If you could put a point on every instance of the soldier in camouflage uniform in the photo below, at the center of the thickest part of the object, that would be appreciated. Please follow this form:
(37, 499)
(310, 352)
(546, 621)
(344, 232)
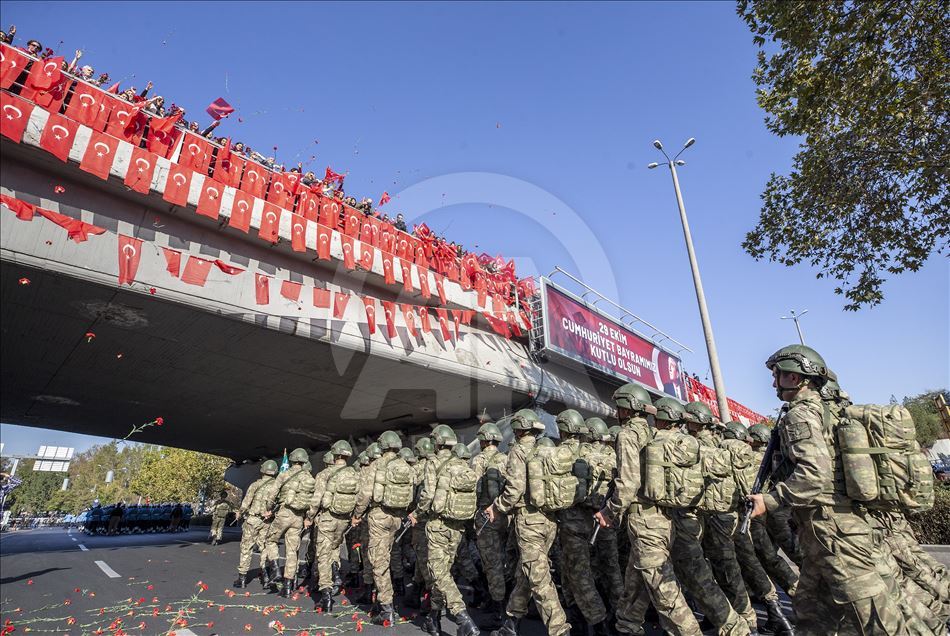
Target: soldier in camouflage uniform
(603, 462)
(252, 511)
(489, 466)
(220, 510)
(421, 583)
(574, 530)
(535, 532)
(292, 494)
(443, 536)
(368, 592)
(840, 589)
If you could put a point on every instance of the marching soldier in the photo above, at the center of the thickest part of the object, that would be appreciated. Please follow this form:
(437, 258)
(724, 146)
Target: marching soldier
(421, 583)
(220, 510)
(649, 575)
(535, 532)
(253, 530)
(489, 467)
(310, 528)
(603, 462)
(840, 588)
(292, 494)
(368, 592)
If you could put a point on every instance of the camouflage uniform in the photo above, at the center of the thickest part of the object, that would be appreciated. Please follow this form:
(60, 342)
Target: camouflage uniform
(649, 575)
(493, 537)
(328, 527)
(292, 484)
(418, 536)
(535, 532)
(254, 527)
(603, 458)
(219, 514)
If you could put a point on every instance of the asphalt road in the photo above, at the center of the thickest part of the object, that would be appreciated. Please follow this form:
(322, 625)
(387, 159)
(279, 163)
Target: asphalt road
(65, 582)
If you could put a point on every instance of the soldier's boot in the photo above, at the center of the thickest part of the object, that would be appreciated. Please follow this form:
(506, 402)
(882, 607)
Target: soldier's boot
(466, 626)
(495, 615)
(325, 603)
(273, 576)
(603, 628)
(241, 580)
(287, 587)
(411, 596)
(777, 623)
(386, 615)
(576, 619)
(432, 623)
(508, 628)
(214, 541)
(399, 587)
(337, 579)
(303, 572)
(366, 595)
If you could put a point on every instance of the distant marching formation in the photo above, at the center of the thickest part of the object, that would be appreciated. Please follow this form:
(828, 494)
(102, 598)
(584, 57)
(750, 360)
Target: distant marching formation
(706, 506)
(137, 519)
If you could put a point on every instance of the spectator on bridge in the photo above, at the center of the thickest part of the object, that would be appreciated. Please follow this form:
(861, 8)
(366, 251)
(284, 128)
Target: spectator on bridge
(72, 65)
(7, 37)
(33, 47)
(400, 223)
(102, 79)
(157, 106)
(128, 94)
(145, 90)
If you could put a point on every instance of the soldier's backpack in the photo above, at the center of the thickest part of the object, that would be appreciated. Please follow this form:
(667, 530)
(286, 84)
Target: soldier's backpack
(492, 482)
(455, 496)
(883, 465)
(395, 483)
(342, 488)
(673, 477)
(745, 466)
(557, 480)
(303, 484)
(603, 467)
(719, 484)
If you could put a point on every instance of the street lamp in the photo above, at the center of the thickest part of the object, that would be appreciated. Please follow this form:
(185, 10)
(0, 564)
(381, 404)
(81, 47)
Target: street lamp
(796, 317)
(697, 281)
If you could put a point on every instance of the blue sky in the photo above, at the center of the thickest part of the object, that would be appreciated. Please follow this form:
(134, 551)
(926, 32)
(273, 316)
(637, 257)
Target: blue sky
(517, 126)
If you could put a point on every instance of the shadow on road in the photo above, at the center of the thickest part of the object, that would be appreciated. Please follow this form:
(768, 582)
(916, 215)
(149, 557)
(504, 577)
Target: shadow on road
(29, 575)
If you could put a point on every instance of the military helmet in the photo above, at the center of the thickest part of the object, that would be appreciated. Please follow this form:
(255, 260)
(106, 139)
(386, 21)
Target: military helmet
(443, 435)
(736, 430)
(545, 442)
(570, 422)
(342, 447)
(373, 451)
(799, 359)
(700, 411)
(526, 420)
(669, 410)
(489, 432)
(598, 429)
(408, 455)
(633, 397)
(389, 440)
(328, 458)
(461, 451)
(760, 433)
(363, 458)
(299, 456)
(424, 447)
(307, 466)
(612, 432)
(269, 467)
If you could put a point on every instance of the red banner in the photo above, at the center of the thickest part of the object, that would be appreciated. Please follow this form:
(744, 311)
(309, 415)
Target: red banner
(696, 391)
(574, 330)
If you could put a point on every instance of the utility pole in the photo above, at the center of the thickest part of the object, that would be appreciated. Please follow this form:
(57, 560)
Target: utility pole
(796, 317)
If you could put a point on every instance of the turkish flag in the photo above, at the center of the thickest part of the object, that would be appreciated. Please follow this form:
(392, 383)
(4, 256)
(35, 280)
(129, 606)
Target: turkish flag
(351, 221)
(219, 108)
(196, 271)
(14, 115)
(308, 206)
(409, 315)
(387, 237)
(290, 290)
(127, 122)
(513, 321)
(229, 170)
(497, 304)
(293, 182)
(324, 235)
(349, 258)
(23, 210)
(195, 153)
(481, 289)
(172, 261)
(241, 211)
(163, 138)
(58, 136)
(439, 286)
(421, 259)
(209, 202)
(321, 298)
(389, 308)
(366, 231)
(369, 304)
(402, 245)
(280, 192)
(457, 319)
(141, 168)
(333, 176)
(76, 230)
(53, 97)
(130, 253)
(525, 319)
(261, 289)
(255, 179)
(383, 200)
(99, 154)
(43, 75)
(423, 281)
(388, 273)
(178, 185)
(298, 233)
(367, 256)
(12, 63)
(270, 223)
(339, 304)
(231, 270)
(406, 274)
(424, 318)
(330, 213)
(85, 105)
(444, 324)
(499, 326)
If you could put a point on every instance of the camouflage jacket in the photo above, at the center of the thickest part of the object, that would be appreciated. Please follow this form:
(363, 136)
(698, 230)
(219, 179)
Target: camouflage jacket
(490, 461)
(221, 508)
(634, 435)
(364, 500)
(429, 478)
(319, 487)
(287, 484)
(516, 475)
(257, 506)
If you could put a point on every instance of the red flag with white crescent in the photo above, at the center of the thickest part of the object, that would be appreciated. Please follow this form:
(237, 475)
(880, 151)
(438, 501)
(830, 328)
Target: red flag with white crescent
(424, 318)
(298, 233)
(209, 202)
(255, 179)
(230, 270)
(457, 319)
(141, 169)
(162, 137)
(383, 200)
(12, 63)
(85, 105)
(196, 271)
(339, 304)
(389, 274)
(290, 290)
(321, 298)
(515, 327)
(369, 304)
(329, 213)
(58, 136)
(406, 266)
(53, 97)
(324, 235)
(308, 205)
(423, 281)
(23, 210)
(351, 219)
(409, 315)
(261, 289)
(389, 308)
(76, 230)
(172, 261)
(280, 192)
(270, 223)
(43, 75)
(367, 256)
(349, 258)
(14, 115)
(241, 209)
(130, 253)
(178, 184)
(127, 122)
(219, 108)
(444, 324)
(333, 176)
(195, 153)
(439, 286)
(99, 154)
(499, 326)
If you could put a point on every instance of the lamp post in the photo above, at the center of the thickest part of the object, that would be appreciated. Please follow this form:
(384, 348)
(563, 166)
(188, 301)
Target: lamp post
(793, 316)
(697, 281)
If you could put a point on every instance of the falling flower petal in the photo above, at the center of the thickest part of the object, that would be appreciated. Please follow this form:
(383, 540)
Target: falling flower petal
(25, 281)
(59, 189)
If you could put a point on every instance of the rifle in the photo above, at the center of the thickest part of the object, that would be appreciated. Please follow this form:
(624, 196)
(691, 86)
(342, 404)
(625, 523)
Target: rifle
(406, 524)
(481, 515)
(765, 471)
(605, 511)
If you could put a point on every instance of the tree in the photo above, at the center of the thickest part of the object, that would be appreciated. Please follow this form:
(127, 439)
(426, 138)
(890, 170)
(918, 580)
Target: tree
(34, 495)
(926, 418)
(175, 474)
(864, 84)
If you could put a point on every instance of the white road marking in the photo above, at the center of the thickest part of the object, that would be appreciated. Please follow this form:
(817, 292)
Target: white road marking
(73, 538)
(185, 632)
(112, 574)
(83, 548)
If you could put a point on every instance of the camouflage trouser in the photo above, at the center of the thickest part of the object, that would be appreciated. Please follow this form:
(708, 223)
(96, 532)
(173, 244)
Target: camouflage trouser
(464, 562)
(535, 532)
(720, 551)
(757, 580)
(650, 577)
(443, 538)
(311, 535)
(252, 533)
(840, 590)
(383, 526)
(574, 528)
(421, 547)
(696, 576)
(362, 535)
(329, 529)
(772, 562)
(607, 565)
(491, 546)
(217, 527)
(783, 536)
(287, 524)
